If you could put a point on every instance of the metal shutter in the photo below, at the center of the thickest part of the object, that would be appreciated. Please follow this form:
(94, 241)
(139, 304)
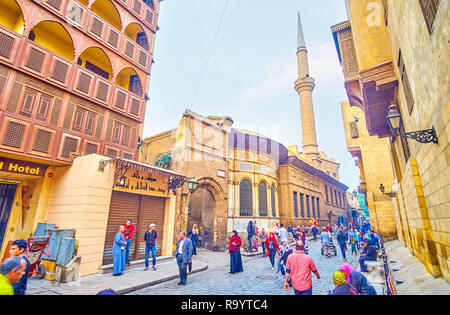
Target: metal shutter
(153, 212)
(123, 206)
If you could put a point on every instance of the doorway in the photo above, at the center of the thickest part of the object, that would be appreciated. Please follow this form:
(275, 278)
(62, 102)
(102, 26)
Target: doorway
(201, 212)
(6, 199)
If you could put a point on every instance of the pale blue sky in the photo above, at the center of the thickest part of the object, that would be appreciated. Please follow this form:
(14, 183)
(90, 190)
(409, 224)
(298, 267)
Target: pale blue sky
(251, 73)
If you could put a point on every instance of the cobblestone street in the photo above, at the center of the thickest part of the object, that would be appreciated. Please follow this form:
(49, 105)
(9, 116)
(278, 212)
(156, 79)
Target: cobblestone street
(257, 278)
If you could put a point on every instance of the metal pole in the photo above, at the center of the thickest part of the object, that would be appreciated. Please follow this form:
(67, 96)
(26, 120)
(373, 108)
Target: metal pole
(386, 266)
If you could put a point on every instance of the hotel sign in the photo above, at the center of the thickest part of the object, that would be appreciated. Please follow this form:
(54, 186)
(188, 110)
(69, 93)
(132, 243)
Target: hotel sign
(22, 167)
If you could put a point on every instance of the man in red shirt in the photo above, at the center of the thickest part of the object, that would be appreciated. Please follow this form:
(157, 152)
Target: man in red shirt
(128, 234)
(299, 267)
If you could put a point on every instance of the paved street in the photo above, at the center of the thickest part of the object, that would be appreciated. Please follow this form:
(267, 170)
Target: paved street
(257, 278)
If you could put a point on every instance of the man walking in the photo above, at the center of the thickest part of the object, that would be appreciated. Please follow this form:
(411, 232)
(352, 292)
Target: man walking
(18, 249)
(326, 242)
(128, 234)
(11, 271)
(283, 234)
(150, 245)
(299, 267)
(183, 253)
(342, 241)
(314, 231)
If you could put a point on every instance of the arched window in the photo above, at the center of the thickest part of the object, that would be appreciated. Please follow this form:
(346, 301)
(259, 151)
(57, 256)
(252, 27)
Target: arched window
(12, 17)
(246, 198)
(54, 37)
(262, 199)
(274, 211)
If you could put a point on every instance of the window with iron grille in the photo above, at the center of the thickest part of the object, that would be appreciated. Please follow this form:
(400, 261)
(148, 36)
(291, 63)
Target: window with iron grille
(354, 130)
(135, 85)
(295, 204)
(313, 203)
(246, 198)
(405, 83)
(405, 144)
(318, 208)
(326, 192)
(308, 207)
(262, 199)
(429, 10)
(150, 3)
(331, 195)
(335, 198)
(302, 205)
(141, 40)
(274, 212)
(42, 141)
(14, 134)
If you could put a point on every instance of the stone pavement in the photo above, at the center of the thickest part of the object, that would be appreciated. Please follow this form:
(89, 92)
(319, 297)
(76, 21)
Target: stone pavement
(417, 279)
(132, 279)
(257, 278)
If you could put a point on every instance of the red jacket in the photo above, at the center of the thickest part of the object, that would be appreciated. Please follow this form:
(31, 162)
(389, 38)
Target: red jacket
(275, 243)
(234, 248)
(129, 230)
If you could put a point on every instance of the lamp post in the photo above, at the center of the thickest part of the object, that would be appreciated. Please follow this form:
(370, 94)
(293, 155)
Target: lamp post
(390, 194)
(395, 120)
(192, 185)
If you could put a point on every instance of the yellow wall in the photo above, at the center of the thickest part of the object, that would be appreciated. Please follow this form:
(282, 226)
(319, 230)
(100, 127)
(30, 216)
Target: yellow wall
(54, 37)
(11, 16)
(369, 32)
(107, 11)
(97, 57)
(376, 169)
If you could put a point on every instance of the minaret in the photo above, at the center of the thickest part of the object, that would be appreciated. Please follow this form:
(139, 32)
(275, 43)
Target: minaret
(304, 87)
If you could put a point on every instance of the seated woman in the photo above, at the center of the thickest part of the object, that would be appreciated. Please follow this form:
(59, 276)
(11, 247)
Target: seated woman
(342, 287)
(358, 280)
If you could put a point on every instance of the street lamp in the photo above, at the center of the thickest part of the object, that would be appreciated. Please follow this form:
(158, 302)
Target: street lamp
(394, 119)
(192, 185)
(390, 194)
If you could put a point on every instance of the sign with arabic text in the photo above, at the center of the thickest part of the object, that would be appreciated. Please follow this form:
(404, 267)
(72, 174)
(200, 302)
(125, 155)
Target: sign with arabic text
(143, 183)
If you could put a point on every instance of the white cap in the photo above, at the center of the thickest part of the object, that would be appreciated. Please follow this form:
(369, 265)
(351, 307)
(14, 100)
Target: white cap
(152, 225)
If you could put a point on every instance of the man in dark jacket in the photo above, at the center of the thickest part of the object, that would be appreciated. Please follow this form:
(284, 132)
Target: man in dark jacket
(183, 254)
(150, 245)
(369, 255)
(342, 240)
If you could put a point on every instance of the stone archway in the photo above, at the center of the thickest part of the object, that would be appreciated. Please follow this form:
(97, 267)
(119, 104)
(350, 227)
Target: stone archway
(201, 212)
(207, 207)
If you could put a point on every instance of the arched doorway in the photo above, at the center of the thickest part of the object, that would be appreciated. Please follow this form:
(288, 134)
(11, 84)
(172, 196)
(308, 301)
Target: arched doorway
(201, 211)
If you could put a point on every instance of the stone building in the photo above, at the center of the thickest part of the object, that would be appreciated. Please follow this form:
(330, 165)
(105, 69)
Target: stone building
(395, 57)
(373, 159)
(246, 176)
(73, 80)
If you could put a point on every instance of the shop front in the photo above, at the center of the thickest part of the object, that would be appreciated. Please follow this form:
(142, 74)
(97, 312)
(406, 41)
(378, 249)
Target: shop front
(23, 186)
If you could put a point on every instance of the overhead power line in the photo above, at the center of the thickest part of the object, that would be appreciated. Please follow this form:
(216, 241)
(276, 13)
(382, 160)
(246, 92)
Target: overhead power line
(210, 53)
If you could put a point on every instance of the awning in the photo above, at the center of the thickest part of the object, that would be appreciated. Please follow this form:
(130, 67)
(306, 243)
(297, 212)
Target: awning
(176, 180)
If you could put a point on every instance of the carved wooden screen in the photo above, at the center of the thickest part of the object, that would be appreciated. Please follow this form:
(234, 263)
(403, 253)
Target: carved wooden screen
(262, 199)
(246, 198)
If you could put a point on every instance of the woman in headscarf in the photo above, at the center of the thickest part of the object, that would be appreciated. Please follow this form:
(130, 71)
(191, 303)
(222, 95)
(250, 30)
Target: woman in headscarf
(119, 252)
(194, 239)
(235, 253)
(286, 250)
(272, 247)
(358, 280)
(341, 286)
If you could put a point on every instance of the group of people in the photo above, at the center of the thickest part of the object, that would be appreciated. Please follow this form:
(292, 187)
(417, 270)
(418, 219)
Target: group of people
(122, 245)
